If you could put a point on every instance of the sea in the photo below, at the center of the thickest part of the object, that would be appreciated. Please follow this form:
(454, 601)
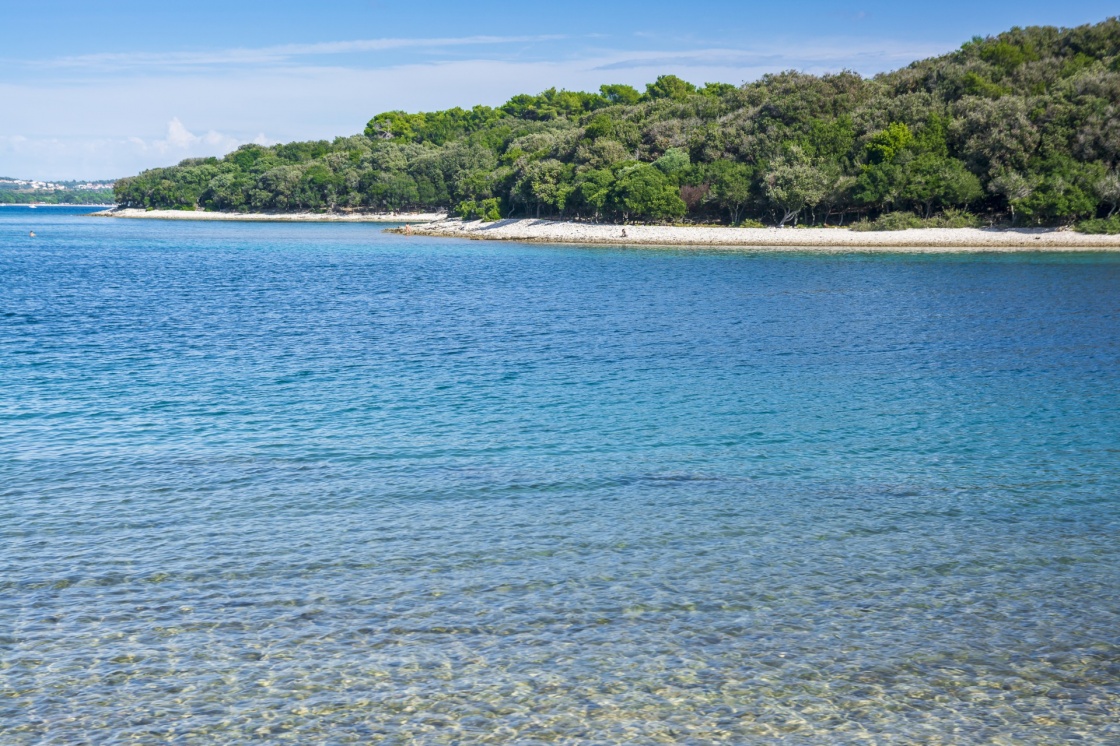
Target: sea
(322, 484)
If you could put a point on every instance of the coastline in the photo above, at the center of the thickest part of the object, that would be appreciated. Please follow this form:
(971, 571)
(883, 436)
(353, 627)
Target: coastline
(266, 217)
(51, 204)
(792, 239)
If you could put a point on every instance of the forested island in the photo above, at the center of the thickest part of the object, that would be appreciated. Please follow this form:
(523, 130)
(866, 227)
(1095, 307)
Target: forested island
(1019, 129)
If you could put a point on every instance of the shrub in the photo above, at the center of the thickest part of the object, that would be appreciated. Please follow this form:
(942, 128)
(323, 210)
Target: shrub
(901, 221)
(891, 221)
(955, 219)
(487, 210)
(1110, 226)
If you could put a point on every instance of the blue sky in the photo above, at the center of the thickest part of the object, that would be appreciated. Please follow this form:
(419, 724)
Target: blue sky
(100, 90)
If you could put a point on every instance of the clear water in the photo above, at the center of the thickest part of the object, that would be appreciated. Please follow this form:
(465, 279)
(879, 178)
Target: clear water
(319, 484)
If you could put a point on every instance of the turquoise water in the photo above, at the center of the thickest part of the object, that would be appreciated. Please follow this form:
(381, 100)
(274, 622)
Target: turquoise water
(320, 484)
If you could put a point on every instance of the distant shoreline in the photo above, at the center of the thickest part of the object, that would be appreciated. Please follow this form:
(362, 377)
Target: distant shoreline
(267, 217)
(52, 204)
(793, 239)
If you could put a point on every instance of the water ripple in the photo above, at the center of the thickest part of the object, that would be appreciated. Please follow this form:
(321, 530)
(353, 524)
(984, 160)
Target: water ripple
(320, 484)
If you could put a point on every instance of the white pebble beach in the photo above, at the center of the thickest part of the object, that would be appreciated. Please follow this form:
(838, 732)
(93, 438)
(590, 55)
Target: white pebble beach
(919, 239)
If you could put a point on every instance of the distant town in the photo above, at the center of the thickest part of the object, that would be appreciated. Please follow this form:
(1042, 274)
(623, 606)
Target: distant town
(35, 192)
(30, 185)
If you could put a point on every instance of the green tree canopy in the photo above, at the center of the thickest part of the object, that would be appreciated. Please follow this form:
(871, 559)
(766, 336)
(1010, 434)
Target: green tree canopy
(671, 87)
(1022, 127)
(644, 192)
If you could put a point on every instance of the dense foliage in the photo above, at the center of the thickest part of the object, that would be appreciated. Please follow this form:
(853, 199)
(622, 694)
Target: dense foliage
(1023, 127)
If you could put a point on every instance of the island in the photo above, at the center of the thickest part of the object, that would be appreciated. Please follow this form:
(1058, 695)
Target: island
(1006, 135)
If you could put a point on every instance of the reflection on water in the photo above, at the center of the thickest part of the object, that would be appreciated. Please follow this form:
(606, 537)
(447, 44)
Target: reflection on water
(319, 484)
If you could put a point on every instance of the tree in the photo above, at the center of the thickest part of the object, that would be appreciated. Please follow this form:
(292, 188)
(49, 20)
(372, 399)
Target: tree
(670, 87)
(553, 104)
(886, 145)
(593, 190)
(878, 186)
(673, 161)
(830, 138)
(317, 188)
(994, 136)
(643, 191)
(717, 90)
(882, 179)
(277, 189)
(1014, 187)
(1030, 116)
(486, 210)
(246, 156)
(1108, 189)
(620, 94)
(930, 180)
(794, 183)
(838, 191)
(599, 126)
(544, 183)
(394, 125)
(472, 184)
(226, 192)
(393, 192)
(731, 187)
(1063, 192)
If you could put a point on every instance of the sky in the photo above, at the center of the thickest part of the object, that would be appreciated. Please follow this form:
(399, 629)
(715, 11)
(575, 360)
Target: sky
(103, 90)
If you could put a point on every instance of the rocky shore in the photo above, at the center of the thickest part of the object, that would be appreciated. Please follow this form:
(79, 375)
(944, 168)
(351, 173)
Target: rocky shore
(928, 239)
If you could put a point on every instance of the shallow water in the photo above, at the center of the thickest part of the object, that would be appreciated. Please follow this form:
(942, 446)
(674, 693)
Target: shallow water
(317, 483)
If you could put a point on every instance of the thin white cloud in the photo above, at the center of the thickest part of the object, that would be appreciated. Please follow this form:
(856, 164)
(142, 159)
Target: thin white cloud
(274, 55)
(827, 54)
(179, 139)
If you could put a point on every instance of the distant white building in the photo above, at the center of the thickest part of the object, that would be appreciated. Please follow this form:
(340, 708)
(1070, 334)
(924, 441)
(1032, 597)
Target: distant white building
(29, 185)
